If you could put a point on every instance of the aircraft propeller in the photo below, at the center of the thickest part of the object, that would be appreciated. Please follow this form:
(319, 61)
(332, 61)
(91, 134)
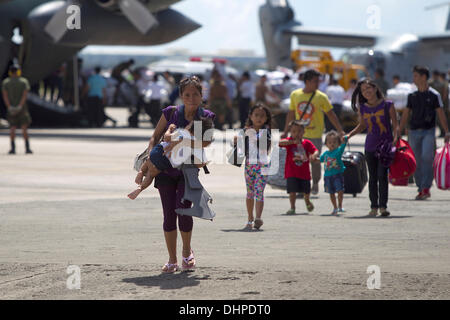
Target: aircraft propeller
(134, 10)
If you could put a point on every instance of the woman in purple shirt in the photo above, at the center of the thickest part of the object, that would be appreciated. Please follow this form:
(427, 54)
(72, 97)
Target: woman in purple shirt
(170, 183)
(379, 117)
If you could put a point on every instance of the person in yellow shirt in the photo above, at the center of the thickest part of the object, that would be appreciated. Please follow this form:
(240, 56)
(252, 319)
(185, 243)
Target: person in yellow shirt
(312, 117)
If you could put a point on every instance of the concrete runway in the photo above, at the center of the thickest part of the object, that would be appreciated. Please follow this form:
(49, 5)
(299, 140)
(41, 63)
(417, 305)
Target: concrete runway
(66, 205)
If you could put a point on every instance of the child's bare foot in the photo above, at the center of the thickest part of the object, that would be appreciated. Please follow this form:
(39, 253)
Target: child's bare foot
(134, 194)
(139, 177)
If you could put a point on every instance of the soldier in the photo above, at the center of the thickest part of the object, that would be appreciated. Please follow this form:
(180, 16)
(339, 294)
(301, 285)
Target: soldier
(15, 90)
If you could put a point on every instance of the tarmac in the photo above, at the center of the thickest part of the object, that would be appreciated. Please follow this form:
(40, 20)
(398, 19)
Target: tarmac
(67, 205)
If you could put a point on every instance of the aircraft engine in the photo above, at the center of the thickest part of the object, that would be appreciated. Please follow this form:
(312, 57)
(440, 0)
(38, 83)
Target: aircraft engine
(107, 4)
(134, 10)
(114, 29)
(151, 5)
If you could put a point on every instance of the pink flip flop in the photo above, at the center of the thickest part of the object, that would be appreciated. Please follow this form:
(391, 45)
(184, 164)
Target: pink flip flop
(189, 262)
(170, 268)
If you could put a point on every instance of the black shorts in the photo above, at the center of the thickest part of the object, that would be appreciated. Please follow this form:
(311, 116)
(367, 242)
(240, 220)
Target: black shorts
(298, 185)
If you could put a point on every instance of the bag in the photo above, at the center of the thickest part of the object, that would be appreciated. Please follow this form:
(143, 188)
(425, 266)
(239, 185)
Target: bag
(355, 174)
(140, 159)
(399, 182)
(385, 152)
(278, 181)
(404, 164)
(144, 155)
(441, 167)
(236, 156)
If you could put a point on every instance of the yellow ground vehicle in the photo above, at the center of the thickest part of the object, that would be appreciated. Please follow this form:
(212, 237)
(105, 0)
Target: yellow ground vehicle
(322, 61)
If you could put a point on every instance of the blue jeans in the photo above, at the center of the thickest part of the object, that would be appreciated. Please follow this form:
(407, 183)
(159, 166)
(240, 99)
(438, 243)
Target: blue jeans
(159, 160)
(423, 143)
(334, 183)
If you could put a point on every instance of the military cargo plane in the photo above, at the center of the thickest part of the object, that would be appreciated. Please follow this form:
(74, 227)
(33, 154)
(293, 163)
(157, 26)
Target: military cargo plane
(49, 40)
(396, 54)
(41, 35)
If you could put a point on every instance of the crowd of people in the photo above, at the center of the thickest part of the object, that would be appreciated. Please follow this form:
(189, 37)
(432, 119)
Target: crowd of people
(302, 138)
(303, 133)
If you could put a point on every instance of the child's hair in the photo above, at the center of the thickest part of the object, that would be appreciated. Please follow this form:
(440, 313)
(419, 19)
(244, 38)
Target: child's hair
(192, 80)
(358, 98)
(207, 123)
(266, 110)
(331, 134)
(297, 123)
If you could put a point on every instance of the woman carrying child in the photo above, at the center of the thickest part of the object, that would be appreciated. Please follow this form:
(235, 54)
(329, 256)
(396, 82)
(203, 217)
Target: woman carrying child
(170, 183)
(158, 161)
(380, 118)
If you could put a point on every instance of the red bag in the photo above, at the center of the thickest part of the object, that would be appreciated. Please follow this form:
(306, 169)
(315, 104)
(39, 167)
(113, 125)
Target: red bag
(441, 167)
(404, 164)
(399, 182)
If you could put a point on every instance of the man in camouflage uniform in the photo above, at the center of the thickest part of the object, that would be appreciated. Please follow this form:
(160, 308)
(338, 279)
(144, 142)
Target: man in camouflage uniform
(15, 89)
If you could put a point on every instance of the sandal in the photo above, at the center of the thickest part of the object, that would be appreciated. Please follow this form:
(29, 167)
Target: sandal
(249, 226)
(385, 213)
(309, 206)
(258, 223)
(290, 212)
(189, 262)
(170, 268)
(373, 213)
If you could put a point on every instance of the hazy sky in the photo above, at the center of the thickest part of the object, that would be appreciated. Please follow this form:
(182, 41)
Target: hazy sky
(234, 24)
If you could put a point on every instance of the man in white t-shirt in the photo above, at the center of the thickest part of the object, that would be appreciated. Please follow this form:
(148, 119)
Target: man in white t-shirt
(336, 95)
(150, 94)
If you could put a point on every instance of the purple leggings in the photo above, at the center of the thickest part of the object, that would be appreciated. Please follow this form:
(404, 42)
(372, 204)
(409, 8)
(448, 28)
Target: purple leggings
(168, 194)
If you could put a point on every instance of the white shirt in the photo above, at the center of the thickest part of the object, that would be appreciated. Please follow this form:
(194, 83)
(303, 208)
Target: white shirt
(348, 95)
(151, 90)
(142, 86)
(182, 153)
(156, 90)
(335, 94)
(247, 90)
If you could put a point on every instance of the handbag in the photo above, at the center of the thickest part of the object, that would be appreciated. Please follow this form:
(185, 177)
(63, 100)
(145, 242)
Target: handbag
(441, 167)
(235, 156)
(403, 165)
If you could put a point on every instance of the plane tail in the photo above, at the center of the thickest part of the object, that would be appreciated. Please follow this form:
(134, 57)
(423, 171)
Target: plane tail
(275, 20)
(441, 5)
(447, 28)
